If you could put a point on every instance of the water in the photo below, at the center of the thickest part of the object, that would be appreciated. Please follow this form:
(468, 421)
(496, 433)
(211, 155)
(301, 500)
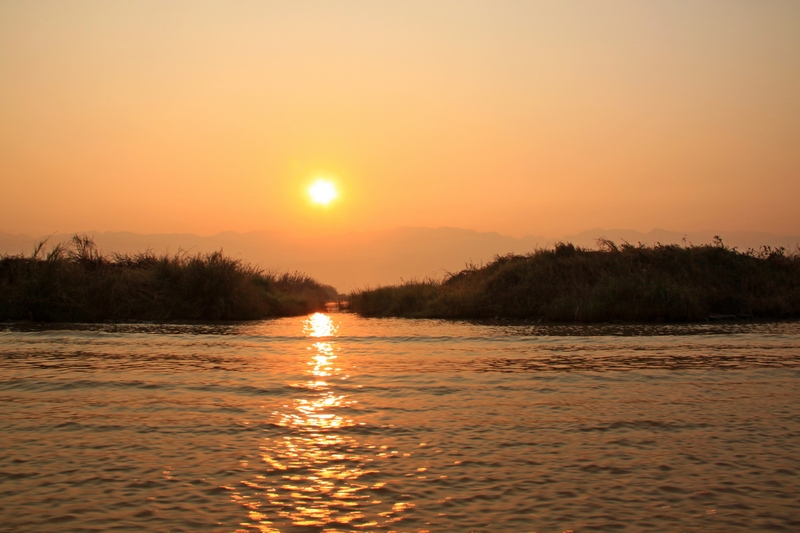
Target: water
(337, 423)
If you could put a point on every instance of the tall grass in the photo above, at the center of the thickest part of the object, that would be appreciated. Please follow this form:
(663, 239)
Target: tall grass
(628, 283)
(74, 282)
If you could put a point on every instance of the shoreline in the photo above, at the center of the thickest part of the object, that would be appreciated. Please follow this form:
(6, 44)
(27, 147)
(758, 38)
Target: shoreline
(75, 282)
(633, 284)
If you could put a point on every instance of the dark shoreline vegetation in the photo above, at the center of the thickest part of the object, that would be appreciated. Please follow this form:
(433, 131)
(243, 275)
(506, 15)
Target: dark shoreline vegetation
(627, 283)
(74, 282)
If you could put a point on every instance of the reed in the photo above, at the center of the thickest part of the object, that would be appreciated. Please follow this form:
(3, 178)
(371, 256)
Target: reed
(636, 283)
(74, 282)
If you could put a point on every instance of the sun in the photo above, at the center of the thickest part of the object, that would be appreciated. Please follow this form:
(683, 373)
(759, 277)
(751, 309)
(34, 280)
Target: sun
(322, 192)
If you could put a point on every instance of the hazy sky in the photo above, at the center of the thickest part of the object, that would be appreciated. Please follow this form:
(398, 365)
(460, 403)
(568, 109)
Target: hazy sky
(520, 117)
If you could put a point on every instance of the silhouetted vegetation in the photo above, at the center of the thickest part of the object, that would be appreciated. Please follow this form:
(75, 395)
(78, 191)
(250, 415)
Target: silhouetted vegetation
(616, 283)
(74, 282)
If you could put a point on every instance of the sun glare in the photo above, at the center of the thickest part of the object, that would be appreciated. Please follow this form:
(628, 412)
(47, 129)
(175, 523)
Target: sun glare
(322, 192)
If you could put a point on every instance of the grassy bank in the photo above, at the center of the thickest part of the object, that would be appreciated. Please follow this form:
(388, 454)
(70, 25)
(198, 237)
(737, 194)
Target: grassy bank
(626, 283)
(74, 282)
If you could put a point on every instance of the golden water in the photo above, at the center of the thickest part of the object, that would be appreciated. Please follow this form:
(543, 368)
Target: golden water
(332, 423)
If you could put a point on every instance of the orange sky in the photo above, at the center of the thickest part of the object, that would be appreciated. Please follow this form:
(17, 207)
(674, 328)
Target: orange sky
(520, 117)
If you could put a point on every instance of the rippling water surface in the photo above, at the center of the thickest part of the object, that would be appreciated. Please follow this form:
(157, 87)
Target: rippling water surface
(333, 423)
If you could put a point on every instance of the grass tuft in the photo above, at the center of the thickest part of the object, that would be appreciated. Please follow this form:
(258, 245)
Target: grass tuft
(666, 283)
(74, 282)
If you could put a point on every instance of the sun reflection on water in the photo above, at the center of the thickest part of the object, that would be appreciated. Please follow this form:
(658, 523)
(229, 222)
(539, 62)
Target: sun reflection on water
(320, 325)
(317, 472)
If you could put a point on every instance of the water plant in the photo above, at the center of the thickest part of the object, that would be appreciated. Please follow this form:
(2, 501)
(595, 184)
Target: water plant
(75, 282)
(628, 282)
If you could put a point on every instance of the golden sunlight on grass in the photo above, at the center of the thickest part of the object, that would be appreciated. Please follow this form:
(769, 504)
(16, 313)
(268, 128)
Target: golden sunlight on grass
(322, 191)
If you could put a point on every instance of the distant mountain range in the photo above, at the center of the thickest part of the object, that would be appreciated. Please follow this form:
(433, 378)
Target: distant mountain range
(372, 258)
